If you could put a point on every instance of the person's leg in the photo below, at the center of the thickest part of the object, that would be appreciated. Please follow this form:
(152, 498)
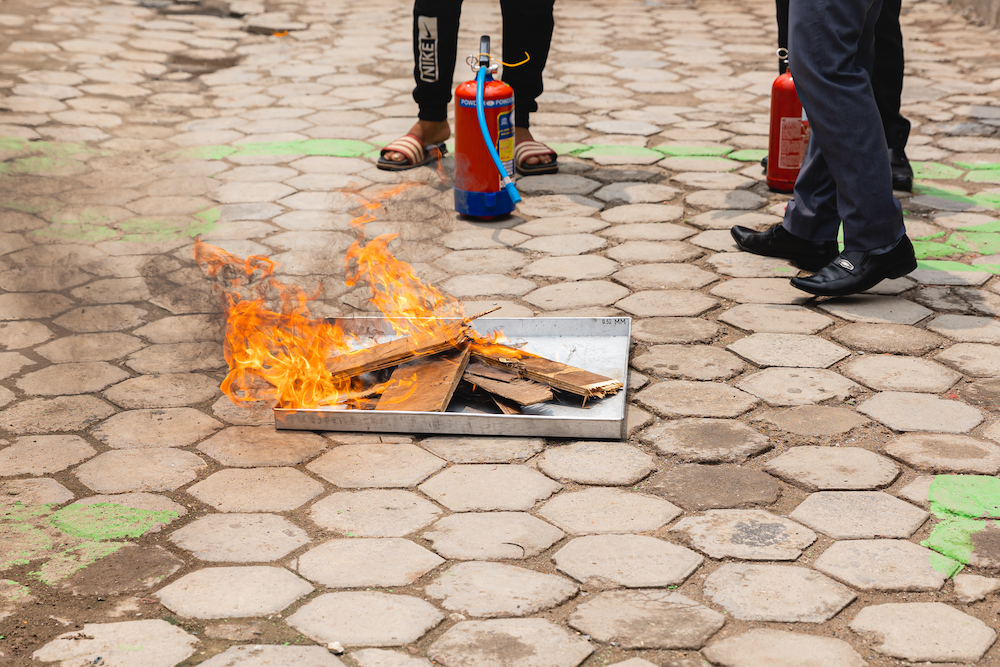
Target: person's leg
(887, 84)
(831, 45)
(527, 28)
(435, 45)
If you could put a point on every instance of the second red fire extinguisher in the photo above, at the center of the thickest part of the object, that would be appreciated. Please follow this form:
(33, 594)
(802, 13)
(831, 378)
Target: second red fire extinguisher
(788, 135)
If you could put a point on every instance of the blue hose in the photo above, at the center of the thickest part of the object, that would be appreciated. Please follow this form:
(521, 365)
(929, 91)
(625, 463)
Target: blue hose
(507, 183)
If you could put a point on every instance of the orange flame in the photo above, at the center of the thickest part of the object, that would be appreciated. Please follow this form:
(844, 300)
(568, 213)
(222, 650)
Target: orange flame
(278, 352)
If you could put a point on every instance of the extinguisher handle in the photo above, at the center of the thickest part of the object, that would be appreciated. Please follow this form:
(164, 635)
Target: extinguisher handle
(484, 51)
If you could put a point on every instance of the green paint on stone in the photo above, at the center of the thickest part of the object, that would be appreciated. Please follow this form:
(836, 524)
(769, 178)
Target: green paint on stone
(931, 236)
(983, 176)
(748, 155)
(693, 151)
(106, 521)
(210, 215)
(934, 171)
(331, 147)
(11, 590)
(953, 538)
(65, 563)
(962, 502)
(605, 150)
(76, 232)
(993, 226)
(926, 249)
(943, 265)
(983, 243)
(31, 204)
(41, 165)
(988, 200)
(990, 268)
(978, 165)
(568, 148)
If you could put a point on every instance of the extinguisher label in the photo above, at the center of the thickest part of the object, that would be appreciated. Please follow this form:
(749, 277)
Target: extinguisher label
(792, 143)
(487, 104)
(505, 140)
(427, 45)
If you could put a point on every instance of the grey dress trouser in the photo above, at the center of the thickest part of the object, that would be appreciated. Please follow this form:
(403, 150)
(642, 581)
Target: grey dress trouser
(846, 174)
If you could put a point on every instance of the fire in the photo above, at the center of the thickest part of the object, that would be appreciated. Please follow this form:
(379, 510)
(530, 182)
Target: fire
(278, 352)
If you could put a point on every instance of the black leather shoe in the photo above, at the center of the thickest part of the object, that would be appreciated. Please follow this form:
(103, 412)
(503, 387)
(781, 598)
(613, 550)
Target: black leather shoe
(776, 242)
(855, 271)
(902, 172)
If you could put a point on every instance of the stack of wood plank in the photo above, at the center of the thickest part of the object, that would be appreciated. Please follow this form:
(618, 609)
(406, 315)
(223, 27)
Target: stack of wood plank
(429, 368)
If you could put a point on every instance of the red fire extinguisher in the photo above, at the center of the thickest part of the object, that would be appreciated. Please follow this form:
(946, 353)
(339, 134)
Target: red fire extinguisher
(789, 133)
(484, 141)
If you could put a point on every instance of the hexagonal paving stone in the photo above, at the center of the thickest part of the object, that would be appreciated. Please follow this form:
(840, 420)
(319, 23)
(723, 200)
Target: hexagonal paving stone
(798, 386)
(602, 510)
(706, 440)
(789, 350)
(43, 491)
(918, 631)
(470, 449)
(664, 276)
(163, 427)
(699, 487)
(682, 398)
(579, 294)
(639, 213)
(257, 490)
(362, 618)
(148, 469)
(674, 330)
(633, 561)
(596, 463)
(374, 513)
(976, 359)
(775, 318)
(940, 452)
(90, 347)
(760, 290)
(51, 415)
(876, 309)
(982, 393)
(256, 446)
(64, 379)
(902, 411)
(540, 643)
(746, 534)
(149, 502)
(887, 338)
(151, 642)
(966, 328)
(240, 538)
(815, 420)
(170, 390)
(886, 565)
(646, 619)
(698, 362)
(376, 465)
(776, 593)
(233, 592)
(132, 568)
(262, 655)
(361, 562)
(667, 303)
(833, 468)
(888, 372)
(857, 515)
(745, 265)
(766, 648)
(648, 251)
(492, 536)
(42, 454)
(465, 487)
(488, 590)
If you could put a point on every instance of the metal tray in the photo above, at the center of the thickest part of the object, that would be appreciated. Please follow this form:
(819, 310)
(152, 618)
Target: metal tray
(597, 344)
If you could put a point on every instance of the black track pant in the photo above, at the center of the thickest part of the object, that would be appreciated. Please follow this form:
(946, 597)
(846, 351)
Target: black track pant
(527, 27)
(887, 73)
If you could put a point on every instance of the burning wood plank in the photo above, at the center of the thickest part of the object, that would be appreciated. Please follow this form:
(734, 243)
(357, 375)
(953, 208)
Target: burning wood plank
(426, 385)
(399, 351)
(557, 375)
(507, 385)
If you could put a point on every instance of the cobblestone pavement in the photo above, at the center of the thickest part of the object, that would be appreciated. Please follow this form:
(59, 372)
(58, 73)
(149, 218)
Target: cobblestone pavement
(803, 479)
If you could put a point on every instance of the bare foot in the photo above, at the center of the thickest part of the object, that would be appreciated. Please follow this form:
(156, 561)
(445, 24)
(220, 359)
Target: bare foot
(428, 132)
(524, 134)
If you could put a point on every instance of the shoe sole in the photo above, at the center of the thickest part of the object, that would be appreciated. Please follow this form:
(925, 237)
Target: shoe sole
(898, 272)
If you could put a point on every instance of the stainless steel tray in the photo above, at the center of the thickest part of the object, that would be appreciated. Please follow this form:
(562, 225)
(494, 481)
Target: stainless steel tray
(597, 344)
